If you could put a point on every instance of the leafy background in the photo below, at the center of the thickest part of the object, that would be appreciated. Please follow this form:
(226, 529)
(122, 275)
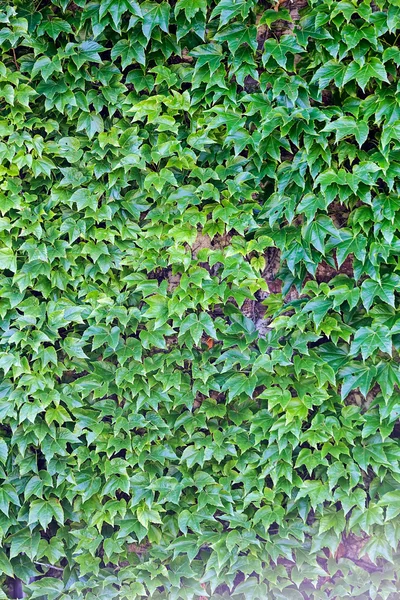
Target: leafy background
(200, 325)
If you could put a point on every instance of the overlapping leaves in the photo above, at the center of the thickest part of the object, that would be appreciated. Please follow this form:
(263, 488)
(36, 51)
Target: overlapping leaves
(199, 299)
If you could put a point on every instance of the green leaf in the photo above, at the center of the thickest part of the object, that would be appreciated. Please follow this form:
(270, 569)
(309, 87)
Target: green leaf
(8, 259)
(191, 7)
(357, 376)
(116, 8)
(34, 487)
(54, 27)
(391, 500)
(44, 66)
(278, 50)
(384, 290)
(331, 70)
(367, 340)
(5, 565)
(147, 515)
(3, 451)
(315, 490)
(46, 586)
(237, 34)
(269, 16)
(87, 51)
(8, 496)
(373, 69)
(154, 15)
(317, 231)
(347, 126)
(238, 384)
(84, 198)
(91, 123)
(43, 511)
(129, 53)
(332, 519)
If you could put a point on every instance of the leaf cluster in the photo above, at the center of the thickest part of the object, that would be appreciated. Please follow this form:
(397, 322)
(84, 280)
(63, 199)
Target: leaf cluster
(199, 309)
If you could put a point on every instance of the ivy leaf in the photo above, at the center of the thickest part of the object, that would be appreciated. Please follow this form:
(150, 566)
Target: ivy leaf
(46, 586)
(382, 289)
(346, 243)
(5, 565)
(373, 69)
(8, 259)
(357, 377)
(44, 511)
(376, 547)
(187, 520)
(317, 231)
(44, 66)
(315, 490)
(8, 93)
(91, 123)
(128, 52)
(147, 515)
(191, 7)
(388, 378)
(391, 54)
(368, 518)
(237, 34)
(391, 500)
(154, 15)
(309, 205)
(228, 11)
(54, 27)
(3, 451)
(345, 126)
(332, 70)
(116, 8)
(210, 55)
(332, 519)
(239, 383)
(34, 487)
(87, 51)
(279, 50)
(367, 340)
(269, 16)
(84, 198)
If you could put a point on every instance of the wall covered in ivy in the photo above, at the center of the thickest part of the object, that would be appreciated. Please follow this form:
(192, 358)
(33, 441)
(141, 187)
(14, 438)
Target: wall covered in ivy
(199, 309)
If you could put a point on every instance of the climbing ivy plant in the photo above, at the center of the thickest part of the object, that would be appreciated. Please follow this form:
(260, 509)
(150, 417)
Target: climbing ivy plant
(199, 306)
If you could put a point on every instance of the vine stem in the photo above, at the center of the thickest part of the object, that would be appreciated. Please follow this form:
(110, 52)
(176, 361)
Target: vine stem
(15, 59)
(49, 566)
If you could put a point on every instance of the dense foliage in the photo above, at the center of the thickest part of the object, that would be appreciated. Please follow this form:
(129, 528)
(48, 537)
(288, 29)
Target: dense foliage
(200, 326)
